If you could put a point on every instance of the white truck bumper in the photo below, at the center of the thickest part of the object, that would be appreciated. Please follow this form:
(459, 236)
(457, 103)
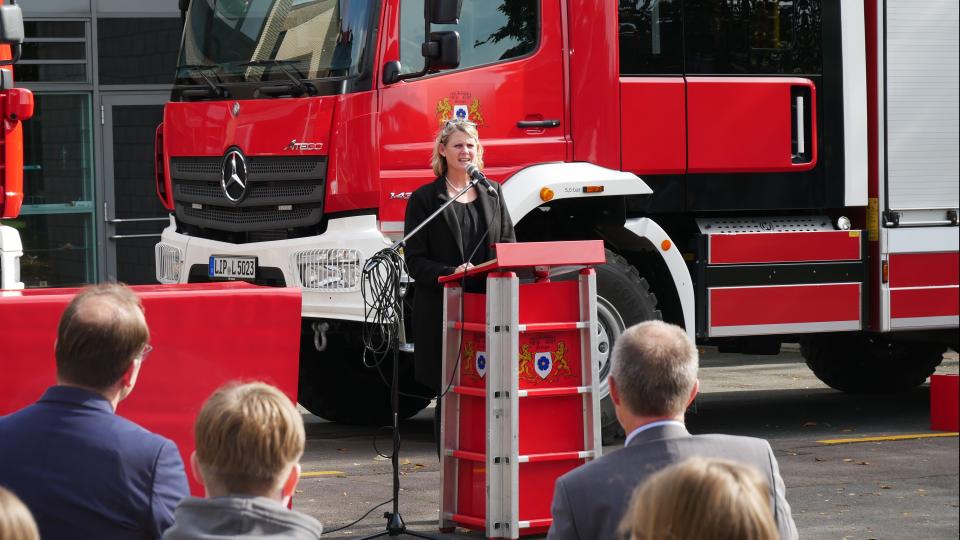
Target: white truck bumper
(326, 268)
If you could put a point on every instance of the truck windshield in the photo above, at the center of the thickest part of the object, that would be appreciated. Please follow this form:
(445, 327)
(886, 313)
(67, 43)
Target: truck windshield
(274, 40)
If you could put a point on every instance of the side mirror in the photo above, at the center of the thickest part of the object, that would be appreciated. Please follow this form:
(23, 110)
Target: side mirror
(444, 11)
(442, 50)
(391, 73)
(19, 104)
(11, 24)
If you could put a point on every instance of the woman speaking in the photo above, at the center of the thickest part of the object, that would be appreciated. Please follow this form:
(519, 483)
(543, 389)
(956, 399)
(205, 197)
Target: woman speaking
(459, 238)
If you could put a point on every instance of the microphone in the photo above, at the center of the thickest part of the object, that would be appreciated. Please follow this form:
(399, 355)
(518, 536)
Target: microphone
(475, 173)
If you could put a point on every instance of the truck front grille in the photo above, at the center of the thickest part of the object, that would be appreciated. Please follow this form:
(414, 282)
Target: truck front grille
(282, 192)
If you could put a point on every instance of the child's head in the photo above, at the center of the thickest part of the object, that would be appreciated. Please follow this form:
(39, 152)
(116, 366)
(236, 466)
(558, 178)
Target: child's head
(249, 440)
(16, 522)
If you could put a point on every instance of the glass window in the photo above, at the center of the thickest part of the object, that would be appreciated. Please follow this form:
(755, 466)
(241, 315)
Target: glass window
(651, 37)
(490, 31)
(257, 40)
(756, 37)
(58, 168)
(53, 51)
(57, 218)
(58, 249)
(138, 51)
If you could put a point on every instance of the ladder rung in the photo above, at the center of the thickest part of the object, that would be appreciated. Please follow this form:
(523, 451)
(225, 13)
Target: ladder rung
(467, 326)
(470, 391)
(469, 520)
(556, 456)
(545, 522)
(553, 327)
(553, 392)
(466, 455)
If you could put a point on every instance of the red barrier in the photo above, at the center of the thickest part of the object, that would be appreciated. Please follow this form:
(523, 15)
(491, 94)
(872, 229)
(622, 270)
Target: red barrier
(203, 335)
(945, 402)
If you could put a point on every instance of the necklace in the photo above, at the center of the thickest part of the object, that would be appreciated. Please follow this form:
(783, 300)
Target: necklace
(452, 187)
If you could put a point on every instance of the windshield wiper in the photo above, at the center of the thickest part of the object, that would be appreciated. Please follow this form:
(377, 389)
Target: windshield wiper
(299, 87)
(212, 89)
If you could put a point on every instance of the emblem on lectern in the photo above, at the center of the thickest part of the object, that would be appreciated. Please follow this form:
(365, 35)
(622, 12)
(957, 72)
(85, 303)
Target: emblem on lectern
(481, 363)
(543, 364)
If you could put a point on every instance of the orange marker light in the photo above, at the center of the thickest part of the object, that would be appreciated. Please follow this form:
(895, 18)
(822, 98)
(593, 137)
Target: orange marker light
(546, 194)
(885, 272)
(593, 189)
(666, 245)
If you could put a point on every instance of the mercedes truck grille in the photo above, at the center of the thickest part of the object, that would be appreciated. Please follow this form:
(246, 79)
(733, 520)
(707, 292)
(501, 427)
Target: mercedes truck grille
(280, 193)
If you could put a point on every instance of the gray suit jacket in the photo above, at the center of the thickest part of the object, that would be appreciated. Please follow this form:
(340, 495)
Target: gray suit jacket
(589, 501)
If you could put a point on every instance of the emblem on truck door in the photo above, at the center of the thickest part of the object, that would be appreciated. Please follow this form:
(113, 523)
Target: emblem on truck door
(233, 179)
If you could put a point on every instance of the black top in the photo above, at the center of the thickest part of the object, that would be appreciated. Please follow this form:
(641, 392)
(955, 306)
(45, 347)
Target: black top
(436, 251)
(473, 230)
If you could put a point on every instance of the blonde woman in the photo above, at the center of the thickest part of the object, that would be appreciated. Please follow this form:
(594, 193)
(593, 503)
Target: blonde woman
(458, 239)
(701, 498)
(16, 522)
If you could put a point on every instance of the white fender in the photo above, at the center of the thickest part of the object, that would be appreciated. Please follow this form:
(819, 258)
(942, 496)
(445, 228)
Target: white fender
(11, 249)
(650, 231)
(521, 192)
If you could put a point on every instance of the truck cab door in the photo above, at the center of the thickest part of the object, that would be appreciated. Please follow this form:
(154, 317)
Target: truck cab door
(510, 83)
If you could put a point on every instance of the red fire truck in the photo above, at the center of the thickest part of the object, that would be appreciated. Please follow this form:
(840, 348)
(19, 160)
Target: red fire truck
(760, 171)
(16, 106)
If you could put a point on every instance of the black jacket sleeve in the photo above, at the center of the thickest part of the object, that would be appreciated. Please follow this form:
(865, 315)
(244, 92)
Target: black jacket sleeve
(419, 248)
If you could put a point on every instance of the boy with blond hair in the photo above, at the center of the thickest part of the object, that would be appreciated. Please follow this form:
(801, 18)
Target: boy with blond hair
(249, 439)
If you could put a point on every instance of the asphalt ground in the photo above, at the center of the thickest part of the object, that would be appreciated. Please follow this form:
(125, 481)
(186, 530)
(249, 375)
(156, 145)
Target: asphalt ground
(855, 466)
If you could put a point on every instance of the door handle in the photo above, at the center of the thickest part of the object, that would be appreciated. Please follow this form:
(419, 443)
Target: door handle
(136, 220)
(538, 124)
(122, 236)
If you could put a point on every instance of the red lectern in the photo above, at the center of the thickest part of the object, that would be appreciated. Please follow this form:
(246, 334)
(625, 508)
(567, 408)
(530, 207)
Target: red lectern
(522, 408)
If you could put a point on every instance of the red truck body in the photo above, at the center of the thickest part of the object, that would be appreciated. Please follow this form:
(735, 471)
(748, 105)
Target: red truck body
(750, 167)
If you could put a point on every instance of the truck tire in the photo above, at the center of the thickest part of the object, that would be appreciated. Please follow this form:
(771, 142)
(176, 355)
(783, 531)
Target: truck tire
(869, 363)
(623, 299)
(336, 386)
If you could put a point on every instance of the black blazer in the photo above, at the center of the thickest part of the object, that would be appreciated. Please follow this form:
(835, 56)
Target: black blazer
(436, 251)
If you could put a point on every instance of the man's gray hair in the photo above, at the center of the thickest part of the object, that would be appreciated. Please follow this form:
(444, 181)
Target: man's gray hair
(655, 368)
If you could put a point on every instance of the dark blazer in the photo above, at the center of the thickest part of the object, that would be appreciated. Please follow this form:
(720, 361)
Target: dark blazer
(589, 501)
(85, 472)
(436, 251)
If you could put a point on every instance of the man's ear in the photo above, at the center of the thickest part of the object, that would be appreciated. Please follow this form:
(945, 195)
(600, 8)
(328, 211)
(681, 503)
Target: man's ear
(290, 484)
(614, 391)
(129, 377)
(693, 392)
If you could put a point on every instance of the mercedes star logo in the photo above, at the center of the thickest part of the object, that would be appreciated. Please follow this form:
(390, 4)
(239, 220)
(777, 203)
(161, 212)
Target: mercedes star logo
(233, 180)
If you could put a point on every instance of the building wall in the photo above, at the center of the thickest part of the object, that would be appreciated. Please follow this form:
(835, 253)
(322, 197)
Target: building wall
(100, 71)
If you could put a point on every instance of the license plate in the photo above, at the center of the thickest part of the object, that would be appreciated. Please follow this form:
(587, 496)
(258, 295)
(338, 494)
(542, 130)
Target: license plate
(232, 267)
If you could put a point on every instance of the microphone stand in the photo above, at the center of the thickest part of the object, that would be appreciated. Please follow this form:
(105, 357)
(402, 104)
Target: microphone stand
(395, 524)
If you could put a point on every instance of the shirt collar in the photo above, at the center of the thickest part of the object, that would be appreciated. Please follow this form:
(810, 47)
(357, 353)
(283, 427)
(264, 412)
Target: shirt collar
(77, 396)
(651, 425)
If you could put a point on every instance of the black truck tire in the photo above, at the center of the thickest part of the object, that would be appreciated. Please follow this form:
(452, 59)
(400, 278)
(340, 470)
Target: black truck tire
(870, 363)
(623, 299)
(336, 386)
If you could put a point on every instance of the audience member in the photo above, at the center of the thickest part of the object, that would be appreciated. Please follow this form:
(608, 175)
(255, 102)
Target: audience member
(16, 522)
(653, 380)
(249, 442)
(84, 471)
(701, 498)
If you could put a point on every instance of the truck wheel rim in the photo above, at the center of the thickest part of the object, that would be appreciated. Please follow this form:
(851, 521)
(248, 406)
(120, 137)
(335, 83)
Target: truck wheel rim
(608, 331)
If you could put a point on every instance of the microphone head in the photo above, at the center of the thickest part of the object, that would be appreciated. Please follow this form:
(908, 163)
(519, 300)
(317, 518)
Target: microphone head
(473, 170)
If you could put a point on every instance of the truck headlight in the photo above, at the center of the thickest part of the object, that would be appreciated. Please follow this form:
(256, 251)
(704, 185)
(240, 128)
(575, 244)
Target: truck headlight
(169, 263)
(328, 269)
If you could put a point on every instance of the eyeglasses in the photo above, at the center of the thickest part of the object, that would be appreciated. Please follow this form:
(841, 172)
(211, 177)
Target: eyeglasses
(147, 349)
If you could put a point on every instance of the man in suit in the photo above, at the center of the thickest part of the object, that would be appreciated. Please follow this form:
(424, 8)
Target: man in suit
(653, 381)
(82, 470)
